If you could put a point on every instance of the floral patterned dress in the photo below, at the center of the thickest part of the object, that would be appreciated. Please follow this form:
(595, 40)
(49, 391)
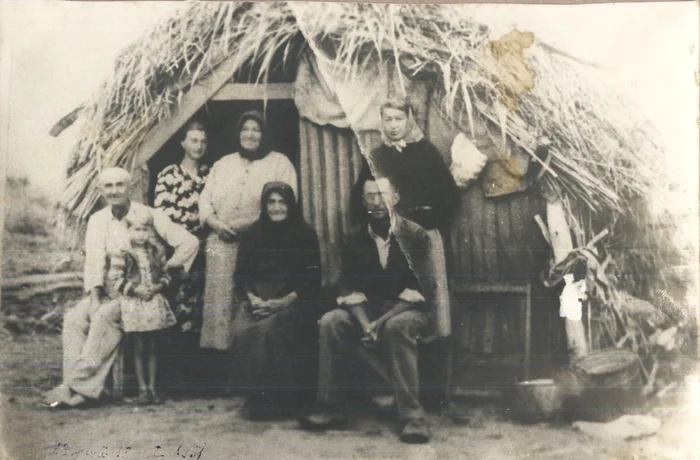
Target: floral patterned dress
(177, 194)
(142, 267)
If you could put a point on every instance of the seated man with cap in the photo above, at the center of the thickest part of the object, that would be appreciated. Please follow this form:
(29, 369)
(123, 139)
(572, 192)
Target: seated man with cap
(92, 329)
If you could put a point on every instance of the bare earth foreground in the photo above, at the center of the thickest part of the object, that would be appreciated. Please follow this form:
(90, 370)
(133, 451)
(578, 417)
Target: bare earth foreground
(212, 429)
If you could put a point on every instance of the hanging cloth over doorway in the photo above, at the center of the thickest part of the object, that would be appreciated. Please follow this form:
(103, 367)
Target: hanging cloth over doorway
(326, 94)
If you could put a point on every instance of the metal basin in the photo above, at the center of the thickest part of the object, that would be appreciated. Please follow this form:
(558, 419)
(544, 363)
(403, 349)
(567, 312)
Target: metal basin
(534, 400)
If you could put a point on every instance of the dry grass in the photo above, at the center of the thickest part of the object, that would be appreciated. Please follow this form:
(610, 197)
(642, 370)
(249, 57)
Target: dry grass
(602, 155)
(151, 76)
(602, 152)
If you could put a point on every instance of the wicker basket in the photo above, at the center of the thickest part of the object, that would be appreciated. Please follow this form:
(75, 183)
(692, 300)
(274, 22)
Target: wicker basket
(611, 384)
(608, 367)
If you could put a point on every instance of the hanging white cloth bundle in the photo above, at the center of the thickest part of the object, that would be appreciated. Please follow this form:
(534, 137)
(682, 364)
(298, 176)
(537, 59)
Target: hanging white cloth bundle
(571, 298)
(467, 160)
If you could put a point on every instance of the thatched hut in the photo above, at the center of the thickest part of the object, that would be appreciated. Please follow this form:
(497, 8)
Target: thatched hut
(313, 68)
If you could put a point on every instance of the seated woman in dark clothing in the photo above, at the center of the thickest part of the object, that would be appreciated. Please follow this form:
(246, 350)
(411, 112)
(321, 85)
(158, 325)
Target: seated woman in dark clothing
(277, 278)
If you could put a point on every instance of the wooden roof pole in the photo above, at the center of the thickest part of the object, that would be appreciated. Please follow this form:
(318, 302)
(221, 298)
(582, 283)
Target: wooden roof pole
(195, 98)
(562, 244)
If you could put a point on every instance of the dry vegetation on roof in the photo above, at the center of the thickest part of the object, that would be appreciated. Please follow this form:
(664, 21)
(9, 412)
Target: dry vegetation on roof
(151, 76)
(602, 153)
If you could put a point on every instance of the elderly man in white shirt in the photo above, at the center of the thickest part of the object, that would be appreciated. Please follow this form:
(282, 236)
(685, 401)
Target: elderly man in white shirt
(92, 329)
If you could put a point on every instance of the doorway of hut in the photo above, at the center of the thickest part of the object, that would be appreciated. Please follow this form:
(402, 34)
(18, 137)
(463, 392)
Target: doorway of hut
(221, 119)
(186, 367)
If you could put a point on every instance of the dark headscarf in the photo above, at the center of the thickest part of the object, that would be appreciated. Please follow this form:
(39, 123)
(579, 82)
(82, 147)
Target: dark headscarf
(265, 146)
(282, 256)
(274, 236)
(294, 217)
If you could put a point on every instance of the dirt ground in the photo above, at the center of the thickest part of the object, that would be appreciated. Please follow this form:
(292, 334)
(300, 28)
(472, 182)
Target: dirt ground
(211, 428)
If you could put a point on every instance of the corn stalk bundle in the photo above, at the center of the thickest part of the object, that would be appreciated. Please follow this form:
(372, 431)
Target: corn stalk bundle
(657, 329)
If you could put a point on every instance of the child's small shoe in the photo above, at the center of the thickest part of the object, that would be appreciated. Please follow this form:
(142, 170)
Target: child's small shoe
(144, 398)
(157, 398)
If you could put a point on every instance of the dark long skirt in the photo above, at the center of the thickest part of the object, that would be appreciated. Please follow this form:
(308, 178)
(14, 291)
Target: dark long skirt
(182, 357)
(276, 356)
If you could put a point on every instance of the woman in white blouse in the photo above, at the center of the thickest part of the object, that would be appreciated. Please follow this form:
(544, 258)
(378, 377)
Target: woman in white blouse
(230, 203)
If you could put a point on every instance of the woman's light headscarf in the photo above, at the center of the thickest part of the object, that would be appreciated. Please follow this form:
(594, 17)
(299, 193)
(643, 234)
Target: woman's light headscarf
(265, 147)
(413, 132)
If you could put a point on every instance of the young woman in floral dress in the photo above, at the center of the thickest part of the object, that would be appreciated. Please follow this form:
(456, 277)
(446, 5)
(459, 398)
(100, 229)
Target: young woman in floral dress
(177, 193)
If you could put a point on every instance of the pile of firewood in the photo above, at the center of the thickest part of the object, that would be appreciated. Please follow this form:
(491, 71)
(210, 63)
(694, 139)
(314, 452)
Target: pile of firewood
(36, 303)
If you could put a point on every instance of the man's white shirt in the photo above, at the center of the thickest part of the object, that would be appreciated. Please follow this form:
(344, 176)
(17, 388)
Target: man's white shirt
(106, 234)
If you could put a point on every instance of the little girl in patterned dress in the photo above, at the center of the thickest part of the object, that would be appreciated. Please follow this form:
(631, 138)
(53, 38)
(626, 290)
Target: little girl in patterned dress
(145, 309)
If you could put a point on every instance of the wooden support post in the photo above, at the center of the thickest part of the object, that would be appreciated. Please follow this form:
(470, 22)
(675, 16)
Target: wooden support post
(528, 330)
(489, 330)
(191, 101)
(562, 245)
(576, 337)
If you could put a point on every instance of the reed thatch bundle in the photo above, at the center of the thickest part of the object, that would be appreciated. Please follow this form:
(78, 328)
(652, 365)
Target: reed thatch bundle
(602, 152)
(151, 76)
(602, 155)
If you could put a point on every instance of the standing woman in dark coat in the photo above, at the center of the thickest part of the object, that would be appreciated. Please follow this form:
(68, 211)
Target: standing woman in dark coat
(428, 194)
(278, 275)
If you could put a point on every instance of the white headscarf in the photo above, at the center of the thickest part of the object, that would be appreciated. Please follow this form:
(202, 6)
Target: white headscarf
(413, 134)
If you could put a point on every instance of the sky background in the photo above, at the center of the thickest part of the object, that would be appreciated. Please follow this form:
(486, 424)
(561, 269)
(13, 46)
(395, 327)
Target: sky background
(55, 54)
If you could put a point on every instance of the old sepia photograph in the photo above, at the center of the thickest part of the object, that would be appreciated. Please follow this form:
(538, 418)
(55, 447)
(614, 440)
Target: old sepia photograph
(308, 230)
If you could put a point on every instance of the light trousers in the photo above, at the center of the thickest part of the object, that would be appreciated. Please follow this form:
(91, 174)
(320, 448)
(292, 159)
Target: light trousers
(91, 338)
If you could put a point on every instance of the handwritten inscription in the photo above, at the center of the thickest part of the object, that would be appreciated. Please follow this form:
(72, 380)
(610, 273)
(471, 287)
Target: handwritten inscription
(180, 451)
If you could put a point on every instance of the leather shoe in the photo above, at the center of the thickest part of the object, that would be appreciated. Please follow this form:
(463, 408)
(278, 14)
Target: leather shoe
(57, 405)
(416, 431)
(323, 420)
(62, 397)
(83, 403)
(257, 409)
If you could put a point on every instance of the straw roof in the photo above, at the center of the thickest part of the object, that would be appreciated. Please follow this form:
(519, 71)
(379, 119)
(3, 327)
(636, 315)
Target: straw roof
(151, 76)
(602, 154)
